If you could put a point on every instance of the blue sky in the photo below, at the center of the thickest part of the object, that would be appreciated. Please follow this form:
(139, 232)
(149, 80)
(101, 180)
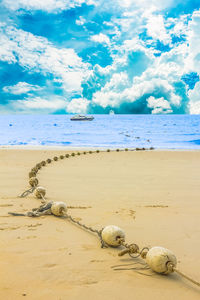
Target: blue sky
(86, 56)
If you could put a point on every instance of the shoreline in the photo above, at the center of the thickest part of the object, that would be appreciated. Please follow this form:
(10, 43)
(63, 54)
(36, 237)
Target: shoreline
(72, 148)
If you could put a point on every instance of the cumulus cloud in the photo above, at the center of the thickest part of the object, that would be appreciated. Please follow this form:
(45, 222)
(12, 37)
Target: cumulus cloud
(138, 96)
(37, 54)
(139, 82)
(159, 105)
(144, 55)
(194, 108)
(193, 59)
(77, 105)
(45, 5)
(21, 88)
(80, 21)
(101, 38)
(145, 3)
(194, 104)
(38, 104)
(156, 29)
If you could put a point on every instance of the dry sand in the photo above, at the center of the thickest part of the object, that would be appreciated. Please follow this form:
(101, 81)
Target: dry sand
(153, 196)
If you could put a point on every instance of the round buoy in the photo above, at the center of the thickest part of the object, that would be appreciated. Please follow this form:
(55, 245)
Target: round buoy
(59, 209)
(33, 181)
(40, 192)
(158, 258)
(111, 235)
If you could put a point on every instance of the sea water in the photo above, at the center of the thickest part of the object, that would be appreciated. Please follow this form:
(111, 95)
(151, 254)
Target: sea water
(109, 131)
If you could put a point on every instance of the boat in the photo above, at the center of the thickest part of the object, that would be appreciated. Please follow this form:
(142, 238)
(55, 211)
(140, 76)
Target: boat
(81, 118)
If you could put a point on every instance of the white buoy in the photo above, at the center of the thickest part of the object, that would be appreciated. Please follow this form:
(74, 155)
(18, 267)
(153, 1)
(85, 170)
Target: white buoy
(59, 209)
(111, 235)
(40, 192)
(158, 257)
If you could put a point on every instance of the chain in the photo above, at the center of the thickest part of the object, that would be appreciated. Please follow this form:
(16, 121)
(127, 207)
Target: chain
(38, 166)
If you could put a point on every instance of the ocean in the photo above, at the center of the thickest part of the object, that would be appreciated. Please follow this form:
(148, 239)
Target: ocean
(107, 131)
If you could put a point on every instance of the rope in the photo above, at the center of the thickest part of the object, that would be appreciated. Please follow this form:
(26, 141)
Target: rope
(142, 266)
(43, 199)
(186, 277)
(132, 249)
(44, 209)
(16, 214)
(98, 232)
(27, 192)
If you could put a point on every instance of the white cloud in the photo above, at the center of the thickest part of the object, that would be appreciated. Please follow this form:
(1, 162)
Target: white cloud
(156, 29)
(159, 105)
(120, 84)
(101, 38)
(37, 54)
(81, 21)
(193, 60)
(45, 5)
(77, 105)
(145, 3)
(194, 108)
(155, 74)
(21, 88)
(180, 26)
(194, 95)
(38, 104)
(158, 77)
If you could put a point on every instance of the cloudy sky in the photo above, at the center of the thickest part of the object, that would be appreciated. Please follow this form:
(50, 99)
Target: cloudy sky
(87, 56)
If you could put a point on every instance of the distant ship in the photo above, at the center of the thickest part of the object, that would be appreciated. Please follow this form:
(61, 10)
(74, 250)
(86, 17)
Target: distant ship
(81, 118)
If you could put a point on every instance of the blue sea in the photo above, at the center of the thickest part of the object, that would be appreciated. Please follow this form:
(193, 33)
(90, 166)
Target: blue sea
(109, 131)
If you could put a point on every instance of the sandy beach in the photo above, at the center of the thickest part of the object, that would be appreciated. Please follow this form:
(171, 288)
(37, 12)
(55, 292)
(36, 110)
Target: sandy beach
(152, 195)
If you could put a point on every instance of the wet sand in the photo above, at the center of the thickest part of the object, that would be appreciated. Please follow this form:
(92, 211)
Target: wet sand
(153, 195)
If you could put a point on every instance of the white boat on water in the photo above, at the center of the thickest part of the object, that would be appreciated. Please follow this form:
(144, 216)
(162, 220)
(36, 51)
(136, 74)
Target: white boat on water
(81, 118)
(111, 112)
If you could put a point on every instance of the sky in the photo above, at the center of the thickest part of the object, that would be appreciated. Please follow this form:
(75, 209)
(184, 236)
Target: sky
(87, 56)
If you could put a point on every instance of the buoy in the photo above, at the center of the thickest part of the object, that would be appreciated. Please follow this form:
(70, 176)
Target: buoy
(59, 209)
(32, 174)
(158, 257)
(33, 181)
(111, 235)
(40, 192)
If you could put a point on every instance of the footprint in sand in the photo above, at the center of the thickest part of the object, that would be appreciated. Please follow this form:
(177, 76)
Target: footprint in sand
(31, 226)
(79, 207)
(126, 212)
(34, 225)
(27, 237)
(50, 265)
(10, 228)
(89, 281)
(88, 247)
(156, 206)
(63, 249)
(31, 237)
(96, 260)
